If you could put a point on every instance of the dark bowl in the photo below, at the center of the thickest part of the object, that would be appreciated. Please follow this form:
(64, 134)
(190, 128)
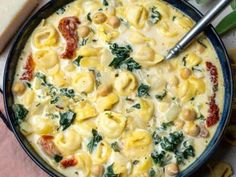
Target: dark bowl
(48, 9)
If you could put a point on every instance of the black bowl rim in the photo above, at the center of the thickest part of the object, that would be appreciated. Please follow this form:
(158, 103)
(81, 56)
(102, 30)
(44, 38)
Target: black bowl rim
(194, 166)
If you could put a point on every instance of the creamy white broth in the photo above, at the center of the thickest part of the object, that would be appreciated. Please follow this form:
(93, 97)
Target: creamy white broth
(134, 116)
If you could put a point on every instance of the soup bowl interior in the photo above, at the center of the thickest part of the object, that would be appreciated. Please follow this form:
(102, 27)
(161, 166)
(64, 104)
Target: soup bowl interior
(48, 9)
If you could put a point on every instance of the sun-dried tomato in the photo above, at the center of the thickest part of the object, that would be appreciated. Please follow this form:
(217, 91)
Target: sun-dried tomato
(214, 75)
(68, 28)
(28, 69)
(65, 163)
(214, 113)
(48, 146)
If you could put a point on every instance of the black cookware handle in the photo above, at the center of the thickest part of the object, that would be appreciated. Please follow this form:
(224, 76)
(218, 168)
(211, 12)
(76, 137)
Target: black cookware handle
(3, 117)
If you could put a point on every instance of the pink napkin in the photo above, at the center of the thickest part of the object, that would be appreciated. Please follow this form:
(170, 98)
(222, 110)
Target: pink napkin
(14, 162)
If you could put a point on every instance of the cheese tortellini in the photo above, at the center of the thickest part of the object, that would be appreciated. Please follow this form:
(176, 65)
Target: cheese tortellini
(108, 121)
(137, 143)
(107, 102)
(68, 141)
(102, 152)
(45, 36)
(42, 125)
(85, 110)
(84, 163)
(125, 83)
(147, 56)
(84, 82)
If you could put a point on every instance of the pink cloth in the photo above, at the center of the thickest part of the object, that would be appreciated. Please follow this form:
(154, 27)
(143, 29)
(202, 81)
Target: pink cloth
(14, 162)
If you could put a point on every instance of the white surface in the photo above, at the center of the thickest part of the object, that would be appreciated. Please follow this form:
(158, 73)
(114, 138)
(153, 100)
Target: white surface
(14, 12)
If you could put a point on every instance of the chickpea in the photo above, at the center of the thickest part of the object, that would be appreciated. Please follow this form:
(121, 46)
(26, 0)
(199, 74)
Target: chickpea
(172, 169)
(19, 88)
(191, 129)
(185, 73)
(189, 114)
(84, 31)
(174, 81)
(99, 18)
(105, 90)
(97, 170)
(179, 124)
(114, 21)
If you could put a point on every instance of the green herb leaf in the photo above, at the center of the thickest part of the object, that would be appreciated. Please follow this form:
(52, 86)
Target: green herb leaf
(105, 3)
(155, 15)
(151, 173)
(20, 112)
(158, 158)
(89, 17)
(137, 106)
(58, 158)
(227, 24)
(115, 147)
(171, 142)
(122, 58)
(77, 60)
(94, 141)
(156, 138)
(143, 90)
(109, 172)
(70, 93)
(161, 96)
(66, 119)
(41, 76)
(166, 125)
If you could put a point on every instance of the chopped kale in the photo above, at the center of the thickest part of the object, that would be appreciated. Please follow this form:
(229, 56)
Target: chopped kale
(184, 61)
(70, 93)
(143, 90)
(54, 99)
(156, 138)
(137, 106)
(115, 147)
(28, 84)
(201, 117)
(61, 11)
(89, 17)
(122, 58)
(42, 77)
(161, 96)
(105, 3)
(109, 172)
(83, 42)
(94, 141)
(185, 153)
(58, 158)
(158, 158)
(171, 142)
(77, 60)
(152, 173)
(155, 15)
(66, 119)
(166, 125)
(20, 112)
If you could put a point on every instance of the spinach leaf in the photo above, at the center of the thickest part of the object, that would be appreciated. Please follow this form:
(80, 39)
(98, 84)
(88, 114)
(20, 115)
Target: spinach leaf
(58, 158)
(66, 119)
(89, 17)
(122, 58)
(137, 106)
(155, 15)
(115, 147)
(42, 77)
(20, 112)
(77, 60)
(94, 141)
(152, 173)
(158, 158)
(156, 138)
(171, 142)
(105, 3)
(166, 125)
(109, 172)
(161, 96)
(143, 90)
(70, 93)
(185, 153)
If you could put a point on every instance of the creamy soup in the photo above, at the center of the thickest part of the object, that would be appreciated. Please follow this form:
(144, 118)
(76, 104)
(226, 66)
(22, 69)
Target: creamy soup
(94, 96)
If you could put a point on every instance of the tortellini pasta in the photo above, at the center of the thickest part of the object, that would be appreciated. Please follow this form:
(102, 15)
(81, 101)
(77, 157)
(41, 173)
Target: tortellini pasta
(88, 51)
(184, 22)
(41, 125)
(107, 102)
(84, 163)
(102, 152)
(136, 37)
(45, 36)
(146, 110)
(85, 110)
(137, 15)
(107, 33)
(193, 60)
(147, 56)
(125, 83)
(47, 61)
(28, 97)
(137, 143)
(84, 82)
(143, 166)
(109, 121)
(165, 29)
(68, 141)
